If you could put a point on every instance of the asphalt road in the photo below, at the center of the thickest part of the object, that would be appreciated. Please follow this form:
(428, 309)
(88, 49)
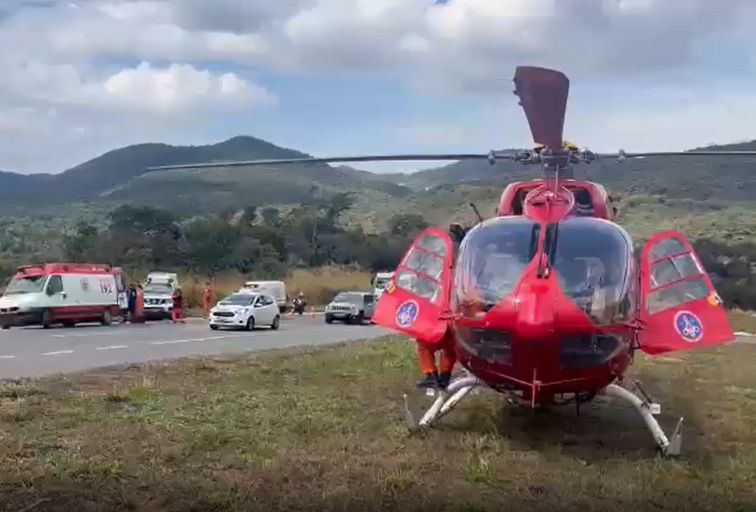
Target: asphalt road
(36, 352)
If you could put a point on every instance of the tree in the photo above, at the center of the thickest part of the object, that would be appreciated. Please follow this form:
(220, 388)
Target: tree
(212, 244)
(249, 215)
(83, 244)
(406, 224)
(271, 216)
(144, 234)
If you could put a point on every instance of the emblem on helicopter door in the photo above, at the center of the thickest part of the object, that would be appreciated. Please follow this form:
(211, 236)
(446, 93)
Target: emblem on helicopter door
(407, 313)
(688, 326)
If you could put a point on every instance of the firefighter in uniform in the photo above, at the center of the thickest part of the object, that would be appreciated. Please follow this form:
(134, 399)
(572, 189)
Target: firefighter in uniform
(207, 297)
(433, 376)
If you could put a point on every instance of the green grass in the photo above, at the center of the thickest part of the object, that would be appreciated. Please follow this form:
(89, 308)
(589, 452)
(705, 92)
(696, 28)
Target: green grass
(743, 321)
(321, 430)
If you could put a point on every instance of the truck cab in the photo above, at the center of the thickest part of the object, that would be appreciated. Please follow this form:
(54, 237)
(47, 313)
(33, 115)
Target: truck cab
(379, 282)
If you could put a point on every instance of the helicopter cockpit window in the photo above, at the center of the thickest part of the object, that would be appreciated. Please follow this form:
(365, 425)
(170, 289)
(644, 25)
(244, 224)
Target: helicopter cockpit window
(422, 269)
(593, 262)
(491, 262)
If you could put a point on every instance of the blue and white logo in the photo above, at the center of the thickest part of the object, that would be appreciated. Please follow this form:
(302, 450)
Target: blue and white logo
(688, 326)
(407, 313)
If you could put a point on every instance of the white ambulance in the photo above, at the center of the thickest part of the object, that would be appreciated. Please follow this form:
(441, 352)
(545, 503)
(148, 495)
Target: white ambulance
(61, 293)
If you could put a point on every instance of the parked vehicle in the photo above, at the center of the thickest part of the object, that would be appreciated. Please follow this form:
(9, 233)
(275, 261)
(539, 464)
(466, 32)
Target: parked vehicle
(245, 311)
(276, 289)
(60, 293)
(350, 307)
(379, 282)
(158, 294)
(158, 301)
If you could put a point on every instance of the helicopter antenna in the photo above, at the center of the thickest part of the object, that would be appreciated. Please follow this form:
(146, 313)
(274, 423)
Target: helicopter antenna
(477, 213)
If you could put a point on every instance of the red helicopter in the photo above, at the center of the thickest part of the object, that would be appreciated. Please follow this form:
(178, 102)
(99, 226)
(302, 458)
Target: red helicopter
(546, 301)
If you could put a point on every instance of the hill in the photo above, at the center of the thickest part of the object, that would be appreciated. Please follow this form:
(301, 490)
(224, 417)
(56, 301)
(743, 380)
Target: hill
(119, 176)
(707, 197)
(704, 178)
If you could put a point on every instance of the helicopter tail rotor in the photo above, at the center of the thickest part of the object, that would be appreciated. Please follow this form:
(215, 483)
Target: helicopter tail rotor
(543, 96)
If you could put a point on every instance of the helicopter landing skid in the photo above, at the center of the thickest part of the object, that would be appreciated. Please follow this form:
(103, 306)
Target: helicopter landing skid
(445, 401)
(667, 446)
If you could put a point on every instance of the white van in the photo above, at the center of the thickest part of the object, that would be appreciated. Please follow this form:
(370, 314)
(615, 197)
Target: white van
(276, 289)
(64, 293)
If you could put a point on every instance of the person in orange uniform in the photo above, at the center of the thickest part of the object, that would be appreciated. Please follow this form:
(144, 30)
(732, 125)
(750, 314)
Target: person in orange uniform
(437, 377)
(177, 313)
(139, 305)
(207, 297)
(440, 377)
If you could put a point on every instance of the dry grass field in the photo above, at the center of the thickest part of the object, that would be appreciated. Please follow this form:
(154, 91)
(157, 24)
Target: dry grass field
(319, 285)
(322, 430)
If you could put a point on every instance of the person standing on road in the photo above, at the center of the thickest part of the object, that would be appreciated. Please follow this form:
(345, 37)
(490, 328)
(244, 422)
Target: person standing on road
(177, 313)
(138, 316)
(131, 301)
(207, 297)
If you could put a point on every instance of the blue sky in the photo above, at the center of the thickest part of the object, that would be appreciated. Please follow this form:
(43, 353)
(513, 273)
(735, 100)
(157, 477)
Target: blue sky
(356, 76)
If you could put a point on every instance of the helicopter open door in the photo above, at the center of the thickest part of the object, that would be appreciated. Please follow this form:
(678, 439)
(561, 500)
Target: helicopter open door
(416, 300)
(680, 309)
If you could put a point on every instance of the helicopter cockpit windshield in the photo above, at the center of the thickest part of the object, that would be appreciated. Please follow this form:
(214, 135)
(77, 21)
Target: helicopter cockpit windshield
(593, 262)
(492, 259)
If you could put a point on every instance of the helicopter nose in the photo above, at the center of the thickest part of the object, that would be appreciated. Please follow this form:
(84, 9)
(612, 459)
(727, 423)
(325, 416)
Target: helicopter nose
(536, 313)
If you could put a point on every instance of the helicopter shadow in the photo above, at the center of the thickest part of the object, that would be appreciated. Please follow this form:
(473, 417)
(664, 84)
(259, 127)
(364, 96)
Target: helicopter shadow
(603, 429)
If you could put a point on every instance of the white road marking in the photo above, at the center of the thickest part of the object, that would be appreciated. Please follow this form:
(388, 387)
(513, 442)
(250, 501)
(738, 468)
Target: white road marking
(59, 352)
(193, 340)
(112, 347)
(84, 334)
(7, 357)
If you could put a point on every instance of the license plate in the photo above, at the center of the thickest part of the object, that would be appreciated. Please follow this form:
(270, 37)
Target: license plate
(223, 321)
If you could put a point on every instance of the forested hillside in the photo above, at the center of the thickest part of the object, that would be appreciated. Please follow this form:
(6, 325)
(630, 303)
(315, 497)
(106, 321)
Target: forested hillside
(265, 220)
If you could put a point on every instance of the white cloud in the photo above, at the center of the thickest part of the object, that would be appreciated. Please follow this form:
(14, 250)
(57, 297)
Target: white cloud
(156, 61)
(180, 88)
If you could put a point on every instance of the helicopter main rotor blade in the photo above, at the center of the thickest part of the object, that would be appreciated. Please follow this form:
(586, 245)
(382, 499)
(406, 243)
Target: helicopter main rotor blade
(492, 156)
(622, 154)
(543, 96)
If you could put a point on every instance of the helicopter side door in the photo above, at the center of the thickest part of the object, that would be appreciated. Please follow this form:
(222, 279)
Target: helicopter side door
(416, 299)
(679, 307)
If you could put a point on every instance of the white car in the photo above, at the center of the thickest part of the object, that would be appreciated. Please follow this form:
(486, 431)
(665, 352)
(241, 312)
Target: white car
(245, 311)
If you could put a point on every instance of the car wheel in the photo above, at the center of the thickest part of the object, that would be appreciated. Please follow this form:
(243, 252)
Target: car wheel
(276, 323)
(214, 327)
(46, 319)
(329, 319)
(6, 327)
(69, 324)
(251, 324)
(360, 319)
(107, 318)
